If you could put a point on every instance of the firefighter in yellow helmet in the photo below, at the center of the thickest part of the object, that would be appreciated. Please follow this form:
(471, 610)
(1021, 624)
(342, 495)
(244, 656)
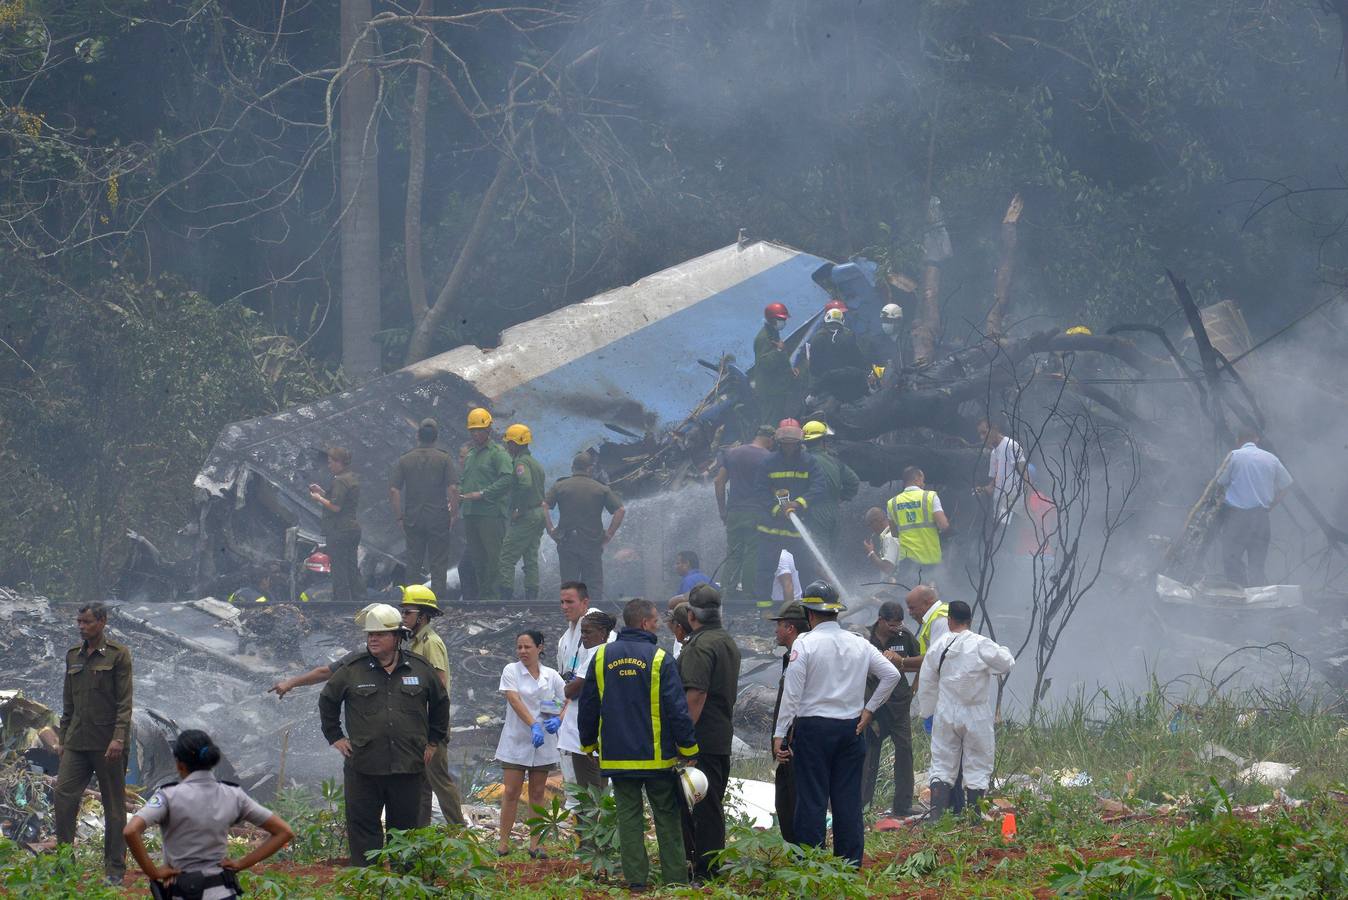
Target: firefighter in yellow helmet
(488, 475)
(526, 525)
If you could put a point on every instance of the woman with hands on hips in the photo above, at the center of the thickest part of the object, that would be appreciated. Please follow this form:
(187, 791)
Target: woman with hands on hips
(535, 695)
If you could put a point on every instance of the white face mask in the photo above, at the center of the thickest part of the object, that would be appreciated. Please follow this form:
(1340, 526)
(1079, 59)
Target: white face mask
(890, 328)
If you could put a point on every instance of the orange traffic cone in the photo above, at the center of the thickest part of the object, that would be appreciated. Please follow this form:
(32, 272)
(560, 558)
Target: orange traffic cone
(1009, 827)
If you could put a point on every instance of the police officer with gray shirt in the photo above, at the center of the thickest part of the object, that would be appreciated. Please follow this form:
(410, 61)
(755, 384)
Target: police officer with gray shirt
(195, 816)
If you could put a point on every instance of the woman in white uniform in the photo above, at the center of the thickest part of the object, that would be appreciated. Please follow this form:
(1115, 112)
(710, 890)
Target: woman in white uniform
(196, 815)
(535, 695)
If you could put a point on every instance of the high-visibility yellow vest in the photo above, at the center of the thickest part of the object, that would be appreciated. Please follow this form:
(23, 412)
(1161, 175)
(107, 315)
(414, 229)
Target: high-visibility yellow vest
(942, 611)
(911, 520)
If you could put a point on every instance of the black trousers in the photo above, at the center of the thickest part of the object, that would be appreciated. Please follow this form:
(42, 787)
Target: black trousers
(704, 827)
(828, 756)
(900, 734)
(1245, 537)
(583, 561)
(347, 586)
(785, 783)
(398, 797)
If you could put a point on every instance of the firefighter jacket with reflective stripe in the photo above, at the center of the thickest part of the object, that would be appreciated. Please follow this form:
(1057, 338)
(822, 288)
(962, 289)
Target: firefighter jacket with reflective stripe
(801, 479)
(633, 709)
(910, 518)
(924, 633)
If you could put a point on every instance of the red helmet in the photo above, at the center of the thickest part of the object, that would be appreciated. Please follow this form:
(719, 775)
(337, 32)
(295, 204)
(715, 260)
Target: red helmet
(835, 304)
(788, 423)
(776, 311)
(319, 562)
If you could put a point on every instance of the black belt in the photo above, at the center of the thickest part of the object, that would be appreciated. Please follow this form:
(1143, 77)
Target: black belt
(191, 885)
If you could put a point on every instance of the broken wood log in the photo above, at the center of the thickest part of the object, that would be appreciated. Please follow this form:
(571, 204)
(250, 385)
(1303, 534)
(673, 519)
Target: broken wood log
(1001, 291)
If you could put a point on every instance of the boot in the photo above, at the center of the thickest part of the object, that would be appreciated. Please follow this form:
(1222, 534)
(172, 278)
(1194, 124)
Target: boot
(974, 802)
(940, 801)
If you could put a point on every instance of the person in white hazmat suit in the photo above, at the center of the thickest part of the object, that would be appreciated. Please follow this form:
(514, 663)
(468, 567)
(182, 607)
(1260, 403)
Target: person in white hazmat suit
(955, 696)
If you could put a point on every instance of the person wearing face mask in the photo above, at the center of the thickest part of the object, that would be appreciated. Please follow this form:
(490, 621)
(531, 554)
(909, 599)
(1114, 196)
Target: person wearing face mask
(774, 378)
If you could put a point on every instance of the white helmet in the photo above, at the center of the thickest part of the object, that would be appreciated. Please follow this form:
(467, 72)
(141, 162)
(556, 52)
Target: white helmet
(833, 316)
(379, 617)
(891, 312)
(693, 784)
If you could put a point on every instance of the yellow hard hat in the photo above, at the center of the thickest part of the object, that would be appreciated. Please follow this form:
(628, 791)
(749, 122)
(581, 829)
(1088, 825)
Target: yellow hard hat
(1078, 329)
(814, 430)
(878, 371)
(479, 418)
(519, 434)
(420, 595)
(379, 617)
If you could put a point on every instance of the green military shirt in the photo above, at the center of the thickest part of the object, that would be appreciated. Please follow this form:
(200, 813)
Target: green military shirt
(489, 470)
(526, 494)
(390, 716)
(840, 484)
(710, 661)
(345, 494)
(96, 698)
(423, 476)
(580, 502)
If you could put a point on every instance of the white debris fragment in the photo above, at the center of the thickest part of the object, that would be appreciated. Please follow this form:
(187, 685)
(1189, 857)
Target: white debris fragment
(1273, 774)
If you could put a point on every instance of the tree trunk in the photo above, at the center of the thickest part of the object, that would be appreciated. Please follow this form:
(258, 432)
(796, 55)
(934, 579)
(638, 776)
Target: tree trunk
(416, 176)
(420, 345)
(929, 315)
(1002, 288)
(360, 197)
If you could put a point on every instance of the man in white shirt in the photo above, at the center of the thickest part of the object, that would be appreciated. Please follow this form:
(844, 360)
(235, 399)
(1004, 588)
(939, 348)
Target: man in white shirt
(1255, 482)
(786, 580)
(882, 548)
(1006, 470)
(824, 709)
(955, 696)
(573, 661)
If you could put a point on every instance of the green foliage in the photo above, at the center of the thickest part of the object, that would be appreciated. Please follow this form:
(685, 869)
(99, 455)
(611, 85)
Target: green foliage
(319, 822)
(545, 825)
(423, 862)
(65, 872)
(597, 831)
(766, 864)
(115, 400)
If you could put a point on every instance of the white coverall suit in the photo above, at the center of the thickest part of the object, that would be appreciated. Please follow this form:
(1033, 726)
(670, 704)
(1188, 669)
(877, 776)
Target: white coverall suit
(958, 693)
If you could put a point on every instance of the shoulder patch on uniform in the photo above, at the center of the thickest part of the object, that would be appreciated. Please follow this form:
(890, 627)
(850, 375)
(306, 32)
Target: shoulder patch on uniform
(520, 469)
(157, 800)
(794, 653)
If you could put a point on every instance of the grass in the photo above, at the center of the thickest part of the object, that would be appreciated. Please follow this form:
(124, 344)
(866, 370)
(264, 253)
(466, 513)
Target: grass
(1163, 815)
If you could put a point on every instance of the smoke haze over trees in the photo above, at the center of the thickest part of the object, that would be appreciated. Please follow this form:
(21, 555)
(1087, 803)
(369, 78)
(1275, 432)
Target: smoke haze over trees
(183, 173)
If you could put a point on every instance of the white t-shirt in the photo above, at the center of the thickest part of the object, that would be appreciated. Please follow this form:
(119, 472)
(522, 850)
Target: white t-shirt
(516, 743)
(786, 565)
(1003, 461)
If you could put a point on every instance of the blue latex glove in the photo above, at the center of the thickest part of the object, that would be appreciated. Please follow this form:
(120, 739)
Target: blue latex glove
(926, 724)
(537, 731)
(552, 723)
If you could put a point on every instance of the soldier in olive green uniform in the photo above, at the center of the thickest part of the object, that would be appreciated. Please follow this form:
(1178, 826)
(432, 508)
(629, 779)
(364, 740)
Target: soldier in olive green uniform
(580, 502)
(424, 495)
(341, 528)
(525, 532)
(94, 731)
(488, 475)
(397, 716)
(840, 485)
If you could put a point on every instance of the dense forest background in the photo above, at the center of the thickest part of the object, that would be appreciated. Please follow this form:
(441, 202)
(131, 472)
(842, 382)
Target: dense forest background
(212, 209)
